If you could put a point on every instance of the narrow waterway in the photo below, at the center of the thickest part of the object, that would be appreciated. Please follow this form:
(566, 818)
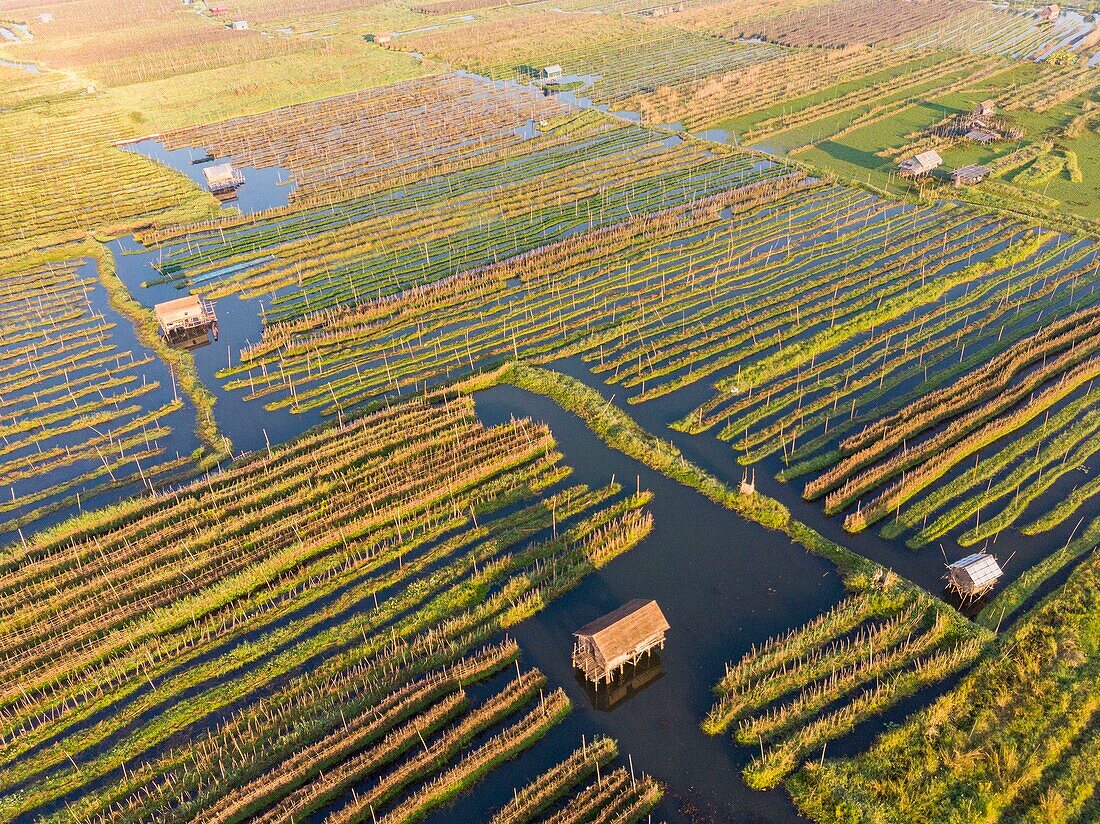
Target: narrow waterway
(724, 583)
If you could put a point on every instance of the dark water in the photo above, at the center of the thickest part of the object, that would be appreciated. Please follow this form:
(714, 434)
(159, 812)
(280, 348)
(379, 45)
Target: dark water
(265, 188)
(246, 423)
(723, 583)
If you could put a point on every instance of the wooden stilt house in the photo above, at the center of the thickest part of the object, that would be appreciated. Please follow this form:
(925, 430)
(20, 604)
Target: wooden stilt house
(973, 576)
(623, 637)
(223, 180)
(186, 316)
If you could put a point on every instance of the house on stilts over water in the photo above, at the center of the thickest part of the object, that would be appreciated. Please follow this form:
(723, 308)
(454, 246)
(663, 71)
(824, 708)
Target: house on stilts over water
(619, 639)
(223, 180)
(185, 319)
(973, 576)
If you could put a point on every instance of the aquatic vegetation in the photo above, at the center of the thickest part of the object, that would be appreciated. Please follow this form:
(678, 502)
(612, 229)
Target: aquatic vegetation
(85, 408)
(989, 29)
(869, 22)
(621, 55)
(352, 561)
(557, 781)
(1033, 694)
(795, 693)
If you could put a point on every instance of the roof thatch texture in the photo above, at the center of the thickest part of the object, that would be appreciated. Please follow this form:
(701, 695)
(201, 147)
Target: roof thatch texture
(629, 629)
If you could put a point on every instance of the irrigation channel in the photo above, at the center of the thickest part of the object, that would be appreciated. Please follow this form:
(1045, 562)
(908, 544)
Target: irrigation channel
(723, 582)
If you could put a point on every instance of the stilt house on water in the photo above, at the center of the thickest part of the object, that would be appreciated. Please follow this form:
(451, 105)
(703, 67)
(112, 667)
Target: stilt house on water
(223, 180)
(184, 317)
(620, 638)
(973, 576)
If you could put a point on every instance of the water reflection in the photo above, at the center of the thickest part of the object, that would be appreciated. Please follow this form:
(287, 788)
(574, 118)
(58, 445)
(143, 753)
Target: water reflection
(630, 681)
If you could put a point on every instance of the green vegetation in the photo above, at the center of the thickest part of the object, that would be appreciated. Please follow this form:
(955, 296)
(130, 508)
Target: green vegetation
(222, 592)
(798, 691)
(1012, 741)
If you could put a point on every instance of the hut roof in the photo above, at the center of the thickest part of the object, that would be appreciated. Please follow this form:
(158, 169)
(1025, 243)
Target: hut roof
(924, 162)
(622, 631)
(218, 174)
(173, 311)
(971, 171)
(977, 570)
(550, 71)
(981, 136)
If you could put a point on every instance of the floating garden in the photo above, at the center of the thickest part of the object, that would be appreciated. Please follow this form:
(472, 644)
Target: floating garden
(85, 408)
(328, 599)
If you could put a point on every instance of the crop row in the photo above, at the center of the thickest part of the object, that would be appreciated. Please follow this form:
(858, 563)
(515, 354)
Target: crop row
(869, 22)
(82, 406)
(997, 31)
(797, 692)
(1012, 741)
(538, 301)
(390, 542)
(706, 102)
(400, 237)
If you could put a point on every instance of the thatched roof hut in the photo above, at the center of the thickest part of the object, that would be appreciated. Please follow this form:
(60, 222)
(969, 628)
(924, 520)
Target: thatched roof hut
(183, 316)
(222, 179)
(969, 175)
(620, 638)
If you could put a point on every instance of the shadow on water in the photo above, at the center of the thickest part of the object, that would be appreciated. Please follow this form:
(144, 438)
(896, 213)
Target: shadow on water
(723, 583)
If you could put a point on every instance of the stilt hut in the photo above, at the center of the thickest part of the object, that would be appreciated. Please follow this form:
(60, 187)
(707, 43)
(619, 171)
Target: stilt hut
(552, 72)
(920, 165)
(969, 175)
(223, 180)
(607, 645)
(973, 576)
(1050, 14)
(987, 108)
(186, 316)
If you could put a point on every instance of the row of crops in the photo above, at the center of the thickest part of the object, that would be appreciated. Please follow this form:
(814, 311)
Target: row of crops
(394, 135)
(85, 408)
(1001, 31)
(792, 694)
(77, 178)
(823, 317)
(620, 56)
(583, 171)
(296, 632)
(1016, 740)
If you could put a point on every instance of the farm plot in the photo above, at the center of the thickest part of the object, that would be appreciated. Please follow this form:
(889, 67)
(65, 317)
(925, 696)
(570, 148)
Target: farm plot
(61, 173)
(84, 408)
(140, 40)
(986, 29)
(621, 56)
(794, 693)
(731, 96)
(868, 22)
(583, 287)
(583, 171)
(820, 316)
(618, 796)
(1016, 740)
(293, 632)
(397, 133)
